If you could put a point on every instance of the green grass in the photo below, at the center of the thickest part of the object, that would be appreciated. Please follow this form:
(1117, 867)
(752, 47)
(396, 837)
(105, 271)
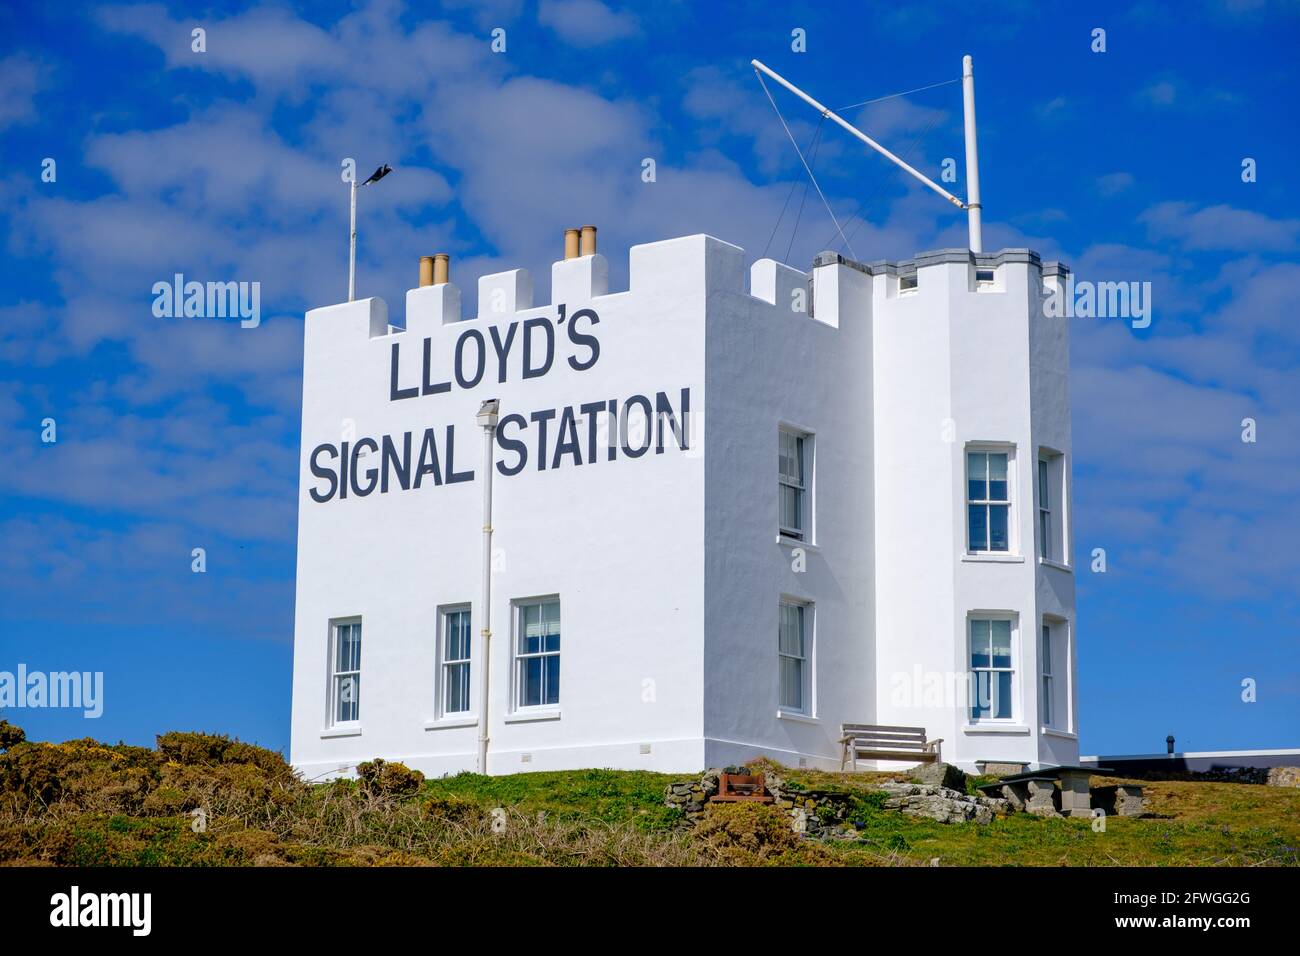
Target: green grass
(605, 796)
(1194, 824)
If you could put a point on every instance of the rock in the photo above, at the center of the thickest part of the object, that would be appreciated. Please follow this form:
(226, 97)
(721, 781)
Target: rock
(998, 805)
(1284, 777)
(939, 775)
(939, 803)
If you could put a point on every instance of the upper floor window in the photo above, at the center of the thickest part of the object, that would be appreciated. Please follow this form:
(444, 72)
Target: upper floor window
(1044, 510)
(456, 643)
(537, 654)
(1051, 510)
(988, 501)
(345, 673)
(792, 484)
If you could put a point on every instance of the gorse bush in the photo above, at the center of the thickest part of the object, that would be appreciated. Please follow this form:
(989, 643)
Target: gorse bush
(382, 778)
(747, 832)
(187, 771)
(10, 735)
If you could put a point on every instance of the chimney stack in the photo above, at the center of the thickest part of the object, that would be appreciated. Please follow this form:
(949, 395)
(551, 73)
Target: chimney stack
(588, 244)
(571, 243)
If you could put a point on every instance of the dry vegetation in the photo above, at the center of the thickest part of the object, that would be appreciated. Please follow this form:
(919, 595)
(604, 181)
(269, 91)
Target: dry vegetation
(86, 803)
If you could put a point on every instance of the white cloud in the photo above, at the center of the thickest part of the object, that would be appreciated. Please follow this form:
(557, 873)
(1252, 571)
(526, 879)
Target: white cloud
(586, 23)
(1220, 227)
(1112, 184)
(21, 78)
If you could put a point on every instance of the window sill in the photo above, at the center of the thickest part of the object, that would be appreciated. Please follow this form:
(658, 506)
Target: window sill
(1049, 563)
(444, 723)
(995, 728)
(528, 716)
(340, 732)
(796, 543)
(1063, 734)
(993, 557)
(797, 716)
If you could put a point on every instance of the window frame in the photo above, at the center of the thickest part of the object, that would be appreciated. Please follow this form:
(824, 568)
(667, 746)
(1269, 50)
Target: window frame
(797, 484)
(972, 671)
(446, 662)
(1055, 664)
(1045, 548)
(337, 675)
(807, 631)
(804, 486)
(517, 658)
(1047, 703)
(1055, 550)
(1013, 540)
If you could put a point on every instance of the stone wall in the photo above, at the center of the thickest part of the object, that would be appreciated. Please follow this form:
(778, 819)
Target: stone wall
(826, 813)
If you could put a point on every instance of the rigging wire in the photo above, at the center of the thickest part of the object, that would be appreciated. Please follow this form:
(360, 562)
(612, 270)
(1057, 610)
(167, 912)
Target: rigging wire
(793, 186)
(799, 216)
(847, 244)
(881, 99)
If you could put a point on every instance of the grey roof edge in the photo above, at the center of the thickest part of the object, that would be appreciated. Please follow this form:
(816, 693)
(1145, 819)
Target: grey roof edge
(939, 257)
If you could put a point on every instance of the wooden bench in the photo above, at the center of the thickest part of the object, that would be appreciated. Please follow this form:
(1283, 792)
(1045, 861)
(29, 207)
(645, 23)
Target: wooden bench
(878, 742)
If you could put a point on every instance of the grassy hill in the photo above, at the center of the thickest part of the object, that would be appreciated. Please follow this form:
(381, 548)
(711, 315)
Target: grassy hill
(203, 800)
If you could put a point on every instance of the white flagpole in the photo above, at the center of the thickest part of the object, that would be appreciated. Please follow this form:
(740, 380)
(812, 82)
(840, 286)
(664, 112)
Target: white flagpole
(352, 249)
(972, 157)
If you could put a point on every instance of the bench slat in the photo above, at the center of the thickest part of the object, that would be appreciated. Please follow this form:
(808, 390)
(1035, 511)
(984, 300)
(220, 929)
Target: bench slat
(919, 757)
(886, 727)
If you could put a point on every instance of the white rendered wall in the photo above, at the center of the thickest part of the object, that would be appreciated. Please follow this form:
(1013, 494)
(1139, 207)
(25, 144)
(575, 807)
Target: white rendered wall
(620, 542)
(953, 367)
(668, 567)
(771, 364)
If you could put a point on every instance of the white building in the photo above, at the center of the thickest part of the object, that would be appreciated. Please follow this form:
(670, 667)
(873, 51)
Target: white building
(836, 496)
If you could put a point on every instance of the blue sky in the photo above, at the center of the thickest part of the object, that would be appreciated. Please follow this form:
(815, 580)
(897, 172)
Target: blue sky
(224, 165)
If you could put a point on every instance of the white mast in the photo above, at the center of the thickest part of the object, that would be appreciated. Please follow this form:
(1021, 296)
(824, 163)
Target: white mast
(972, 156)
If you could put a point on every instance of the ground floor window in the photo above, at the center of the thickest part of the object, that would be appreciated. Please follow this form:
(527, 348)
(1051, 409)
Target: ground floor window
(793, 646)
(1054, 658)
(345, 672)
(456, 641)
(992, 673)
(537, 653)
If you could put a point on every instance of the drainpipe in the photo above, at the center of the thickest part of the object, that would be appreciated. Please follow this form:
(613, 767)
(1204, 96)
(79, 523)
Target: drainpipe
(487, 419)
